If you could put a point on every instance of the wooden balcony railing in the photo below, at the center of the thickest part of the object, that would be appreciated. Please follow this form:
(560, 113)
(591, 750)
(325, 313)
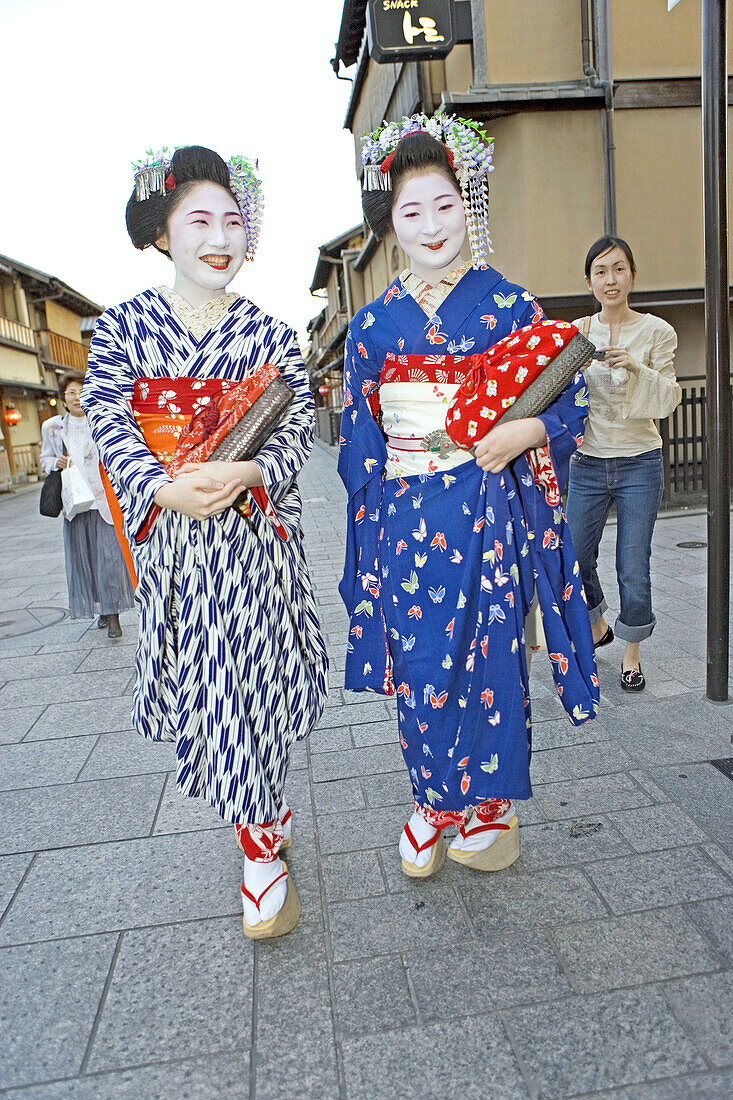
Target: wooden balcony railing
(63, 352)
(19, 334)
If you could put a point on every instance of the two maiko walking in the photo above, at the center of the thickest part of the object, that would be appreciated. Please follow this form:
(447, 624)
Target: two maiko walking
(444, 554)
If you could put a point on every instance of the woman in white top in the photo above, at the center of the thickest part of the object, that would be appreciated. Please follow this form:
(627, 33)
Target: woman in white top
(631, 384)
(96, 574)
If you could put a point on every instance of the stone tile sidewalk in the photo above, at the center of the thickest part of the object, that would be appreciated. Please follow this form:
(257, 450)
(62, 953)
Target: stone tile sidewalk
(599, 965)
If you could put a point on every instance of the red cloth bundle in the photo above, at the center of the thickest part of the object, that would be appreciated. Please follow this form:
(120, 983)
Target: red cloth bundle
(498, 377)
(213, 422)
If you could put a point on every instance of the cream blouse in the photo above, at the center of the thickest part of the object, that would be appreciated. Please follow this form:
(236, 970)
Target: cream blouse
(624, 405)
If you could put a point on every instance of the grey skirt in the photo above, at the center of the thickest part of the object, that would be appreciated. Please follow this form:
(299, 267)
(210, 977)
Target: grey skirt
(96, 574)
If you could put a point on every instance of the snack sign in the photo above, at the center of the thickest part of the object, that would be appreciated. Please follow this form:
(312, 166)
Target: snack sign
(410, 30)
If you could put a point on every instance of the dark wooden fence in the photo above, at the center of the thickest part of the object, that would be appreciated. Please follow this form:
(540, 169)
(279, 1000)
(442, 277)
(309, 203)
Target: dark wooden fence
(683, 444)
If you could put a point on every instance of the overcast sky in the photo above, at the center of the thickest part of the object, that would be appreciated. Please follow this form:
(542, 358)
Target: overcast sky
(89, 86)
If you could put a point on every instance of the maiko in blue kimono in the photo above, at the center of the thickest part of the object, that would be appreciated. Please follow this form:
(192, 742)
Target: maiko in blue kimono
(443, 557)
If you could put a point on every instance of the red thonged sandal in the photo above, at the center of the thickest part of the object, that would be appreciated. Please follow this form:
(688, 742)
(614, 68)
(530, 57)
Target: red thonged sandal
(284, 920)
(502, 853)
(437, 856)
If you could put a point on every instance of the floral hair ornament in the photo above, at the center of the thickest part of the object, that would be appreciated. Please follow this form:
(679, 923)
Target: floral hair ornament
(469, 152)
(153, 176)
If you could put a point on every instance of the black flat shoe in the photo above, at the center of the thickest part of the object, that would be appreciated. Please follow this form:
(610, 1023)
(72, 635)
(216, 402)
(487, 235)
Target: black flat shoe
(605, 640)
(102, 621)
(114, 630)
(632, 679)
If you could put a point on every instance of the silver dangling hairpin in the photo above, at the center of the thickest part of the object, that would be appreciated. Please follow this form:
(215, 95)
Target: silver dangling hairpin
(150, 181)
(375, 179)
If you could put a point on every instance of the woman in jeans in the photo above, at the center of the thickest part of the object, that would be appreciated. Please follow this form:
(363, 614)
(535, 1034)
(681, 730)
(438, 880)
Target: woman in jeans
(631, 384)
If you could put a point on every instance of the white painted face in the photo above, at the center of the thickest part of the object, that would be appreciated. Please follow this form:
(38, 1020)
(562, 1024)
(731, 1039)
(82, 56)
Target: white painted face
(207, 242)
(429, 221)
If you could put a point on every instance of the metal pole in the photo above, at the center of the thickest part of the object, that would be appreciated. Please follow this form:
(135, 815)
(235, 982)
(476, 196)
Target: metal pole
(603, 56)
(714, 138)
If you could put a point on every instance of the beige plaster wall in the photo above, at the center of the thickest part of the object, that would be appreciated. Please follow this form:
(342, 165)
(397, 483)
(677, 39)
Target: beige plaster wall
(648, 41)
(63, 321)
(659, 194)
(29, 429)
(18, 365)
(533, 41)
(458, 72)
(546, 207)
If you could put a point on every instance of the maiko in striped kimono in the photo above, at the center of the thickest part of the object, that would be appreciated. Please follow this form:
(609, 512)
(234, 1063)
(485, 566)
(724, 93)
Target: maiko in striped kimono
(231, 663)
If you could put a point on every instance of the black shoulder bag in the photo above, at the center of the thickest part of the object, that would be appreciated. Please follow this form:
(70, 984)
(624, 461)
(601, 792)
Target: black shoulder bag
(50, 502)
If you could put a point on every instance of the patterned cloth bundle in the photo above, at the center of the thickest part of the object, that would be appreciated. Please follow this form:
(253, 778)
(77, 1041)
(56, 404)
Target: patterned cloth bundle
(519, 376)
(234, 428)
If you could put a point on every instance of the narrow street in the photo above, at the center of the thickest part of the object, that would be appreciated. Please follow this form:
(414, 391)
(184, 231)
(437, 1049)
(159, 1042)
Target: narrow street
(598, 965)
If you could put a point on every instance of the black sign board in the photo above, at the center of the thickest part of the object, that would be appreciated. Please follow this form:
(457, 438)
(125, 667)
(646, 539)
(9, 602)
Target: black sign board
(410, 30)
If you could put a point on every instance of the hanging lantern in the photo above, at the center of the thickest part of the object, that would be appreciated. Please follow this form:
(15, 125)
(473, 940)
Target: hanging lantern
(324, 390)
(12, 416)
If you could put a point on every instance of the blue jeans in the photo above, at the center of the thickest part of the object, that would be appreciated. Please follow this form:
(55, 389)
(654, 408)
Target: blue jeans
(635, 485)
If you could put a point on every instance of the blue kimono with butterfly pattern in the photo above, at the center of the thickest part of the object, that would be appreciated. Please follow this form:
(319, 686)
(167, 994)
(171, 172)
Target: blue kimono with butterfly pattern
(442, 566)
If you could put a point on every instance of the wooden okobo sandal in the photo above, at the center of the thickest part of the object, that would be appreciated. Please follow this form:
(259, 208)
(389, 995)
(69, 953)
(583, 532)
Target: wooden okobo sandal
(284, 920)
(502, 853)
(437, 856)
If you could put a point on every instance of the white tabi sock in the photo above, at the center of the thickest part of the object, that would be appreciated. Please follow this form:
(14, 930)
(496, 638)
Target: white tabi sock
(422, 833)
(483, 839)
(257, 877)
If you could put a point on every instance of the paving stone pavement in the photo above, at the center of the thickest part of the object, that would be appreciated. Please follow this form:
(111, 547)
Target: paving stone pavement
(601, 964)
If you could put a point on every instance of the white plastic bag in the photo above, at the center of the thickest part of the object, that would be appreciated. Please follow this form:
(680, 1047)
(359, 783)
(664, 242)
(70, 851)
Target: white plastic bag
(76, 496)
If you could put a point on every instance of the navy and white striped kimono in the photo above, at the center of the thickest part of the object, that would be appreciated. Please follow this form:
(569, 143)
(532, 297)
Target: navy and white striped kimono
(231, 663)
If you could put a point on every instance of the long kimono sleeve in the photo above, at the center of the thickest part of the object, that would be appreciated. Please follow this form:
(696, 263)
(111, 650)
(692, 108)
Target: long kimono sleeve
(362, 459)
(362, 454)
(653, 392)
(564, 422)
(135, 473)
(283, 455)
(541, 476)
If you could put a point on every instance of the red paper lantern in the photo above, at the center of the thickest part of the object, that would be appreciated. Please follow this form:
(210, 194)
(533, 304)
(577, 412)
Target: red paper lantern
(324, 390)
(12, 416)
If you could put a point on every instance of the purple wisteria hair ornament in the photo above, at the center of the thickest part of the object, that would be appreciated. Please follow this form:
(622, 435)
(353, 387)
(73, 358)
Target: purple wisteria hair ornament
(153, 176)
(469, 153)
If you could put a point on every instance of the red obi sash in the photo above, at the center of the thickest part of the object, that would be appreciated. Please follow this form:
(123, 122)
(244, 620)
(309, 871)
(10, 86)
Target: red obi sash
(163, 408)
(447, 369)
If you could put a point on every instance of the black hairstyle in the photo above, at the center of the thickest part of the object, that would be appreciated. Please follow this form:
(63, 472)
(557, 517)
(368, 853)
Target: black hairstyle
(146, 219)
(605, 244)
(66, 380)
(416, 152)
